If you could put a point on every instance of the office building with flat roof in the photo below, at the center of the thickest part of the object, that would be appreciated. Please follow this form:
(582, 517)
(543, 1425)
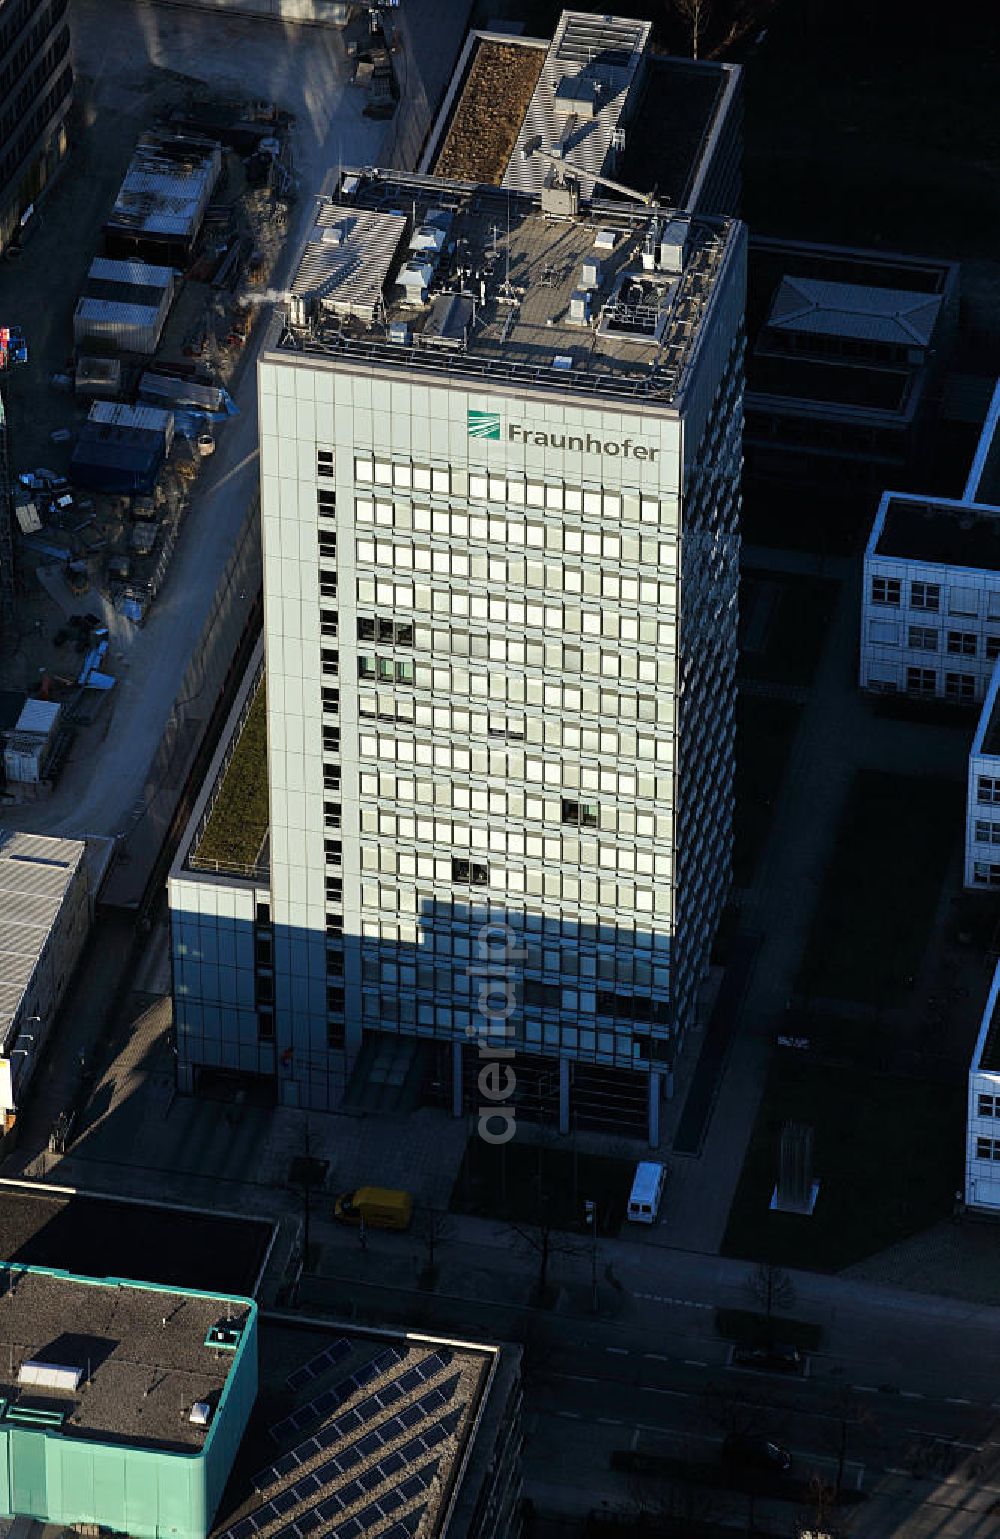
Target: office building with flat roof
(844, 360)
(371, 1431)
(46, 907)
(930, 623)
(500, 462)
(981, 866)
(982, 1126)
(36, 87)
(122, 1404)
(597, 95)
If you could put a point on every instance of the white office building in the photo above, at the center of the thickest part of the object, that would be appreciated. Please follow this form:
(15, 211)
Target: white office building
(982, 1138)
(982, 806)
(500, 463)
(930, 624)
(500, 455)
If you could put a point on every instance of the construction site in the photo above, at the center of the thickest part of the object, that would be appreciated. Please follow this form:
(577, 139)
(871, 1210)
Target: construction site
(92, 508)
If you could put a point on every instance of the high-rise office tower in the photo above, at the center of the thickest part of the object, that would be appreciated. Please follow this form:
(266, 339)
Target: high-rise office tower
(500, 457)
(500, 460)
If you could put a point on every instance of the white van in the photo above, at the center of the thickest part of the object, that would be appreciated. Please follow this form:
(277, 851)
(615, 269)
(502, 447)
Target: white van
(647, 1189)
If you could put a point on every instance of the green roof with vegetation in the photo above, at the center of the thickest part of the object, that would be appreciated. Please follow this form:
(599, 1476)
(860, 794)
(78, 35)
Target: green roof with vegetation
(237, 825)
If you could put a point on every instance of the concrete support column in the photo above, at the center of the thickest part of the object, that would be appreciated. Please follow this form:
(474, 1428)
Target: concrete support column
(564, 1095)
(456, 1077)
(654, 1108)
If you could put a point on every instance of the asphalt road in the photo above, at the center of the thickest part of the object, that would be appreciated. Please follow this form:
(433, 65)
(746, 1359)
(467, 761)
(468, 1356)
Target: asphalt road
(914, 1462)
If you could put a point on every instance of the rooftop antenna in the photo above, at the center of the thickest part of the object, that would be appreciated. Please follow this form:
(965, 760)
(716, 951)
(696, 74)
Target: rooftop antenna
(507, 273)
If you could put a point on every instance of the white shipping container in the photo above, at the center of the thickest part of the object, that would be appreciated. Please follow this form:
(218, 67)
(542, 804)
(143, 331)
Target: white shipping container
(134, 325)
(132, 328)
(38, 717)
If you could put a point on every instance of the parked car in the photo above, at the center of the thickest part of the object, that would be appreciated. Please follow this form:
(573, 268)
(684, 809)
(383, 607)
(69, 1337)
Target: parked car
(751, 1451)
(775, 1358)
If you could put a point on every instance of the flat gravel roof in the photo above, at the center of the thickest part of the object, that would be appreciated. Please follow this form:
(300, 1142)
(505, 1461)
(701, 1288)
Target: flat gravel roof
(141, 1352)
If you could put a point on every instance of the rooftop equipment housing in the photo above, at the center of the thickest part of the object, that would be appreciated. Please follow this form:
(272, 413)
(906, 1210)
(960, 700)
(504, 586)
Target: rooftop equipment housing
(50, 1376)
(591, 75)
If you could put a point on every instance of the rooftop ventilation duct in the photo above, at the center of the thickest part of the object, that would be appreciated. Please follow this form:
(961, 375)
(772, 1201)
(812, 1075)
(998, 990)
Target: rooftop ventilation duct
(561, 194)
(415, 278)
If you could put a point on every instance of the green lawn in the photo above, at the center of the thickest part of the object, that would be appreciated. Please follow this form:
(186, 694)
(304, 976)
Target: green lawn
(765, 731)
(888, 1156)
(235, 831)
(881, 888)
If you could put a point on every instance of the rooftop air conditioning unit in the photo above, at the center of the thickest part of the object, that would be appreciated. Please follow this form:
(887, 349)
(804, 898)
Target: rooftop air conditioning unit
(201, 1414)
(673, 245)
(415, 278)
(579, 307)
(590, 273)
(427, 237)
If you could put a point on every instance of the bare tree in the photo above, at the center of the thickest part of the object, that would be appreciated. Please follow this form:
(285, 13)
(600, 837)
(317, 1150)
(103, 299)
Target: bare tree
(771, 1288)
(730, 1411)
(434, 1228)
(849, 1417)
(696, 13)
(544, 1241)
(662, 1505)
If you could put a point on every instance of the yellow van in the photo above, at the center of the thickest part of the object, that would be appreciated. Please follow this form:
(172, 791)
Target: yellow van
(377, 1205)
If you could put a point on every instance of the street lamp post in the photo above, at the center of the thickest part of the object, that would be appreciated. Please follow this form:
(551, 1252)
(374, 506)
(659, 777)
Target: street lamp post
(590, 1212)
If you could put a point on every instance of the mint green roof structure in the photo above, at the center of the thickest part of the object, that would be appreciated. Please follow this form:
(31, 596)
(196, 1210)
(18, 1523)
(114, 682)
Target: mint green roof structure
(98, 1382)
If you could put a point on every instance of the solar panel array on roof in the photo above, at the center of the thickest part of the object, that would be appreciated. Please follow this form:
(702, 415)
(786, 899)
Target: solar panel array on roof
(349, 1456)
(325, 1510)
(330, 1398)
(318, 1365)
(385, 1506)
(369, 1481)
(407, 1526)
